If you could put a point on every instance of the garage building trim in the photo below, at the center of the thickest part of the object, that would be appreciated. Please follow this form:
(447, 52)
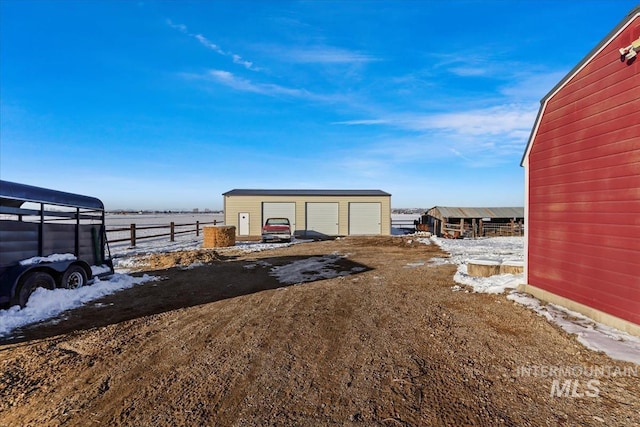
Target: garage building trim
(308, 207)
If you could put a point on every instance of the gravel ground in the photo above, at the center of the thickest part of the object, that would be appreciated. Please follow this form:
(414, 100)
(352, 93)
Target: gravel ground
(385, 342)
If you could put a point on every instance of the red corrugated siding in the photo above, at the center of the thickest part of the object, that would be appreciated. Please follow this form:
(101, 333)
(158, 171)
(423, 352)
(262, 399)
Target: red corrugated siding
(584, 186)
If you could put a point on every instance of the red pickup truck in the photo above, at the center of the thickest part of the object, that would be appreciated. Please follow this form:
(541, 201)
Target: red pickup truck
(276, 229)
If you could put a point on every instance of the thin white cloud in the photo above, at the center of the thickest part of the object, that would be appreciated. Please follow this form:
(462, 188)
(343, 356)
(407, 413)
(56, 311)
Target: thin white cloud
(317, 54)
(361, 122)
(469, 71)
(209, 45)
(518, 81)
(245, 85)
(532, 85)
(499, 120)
(237, 59)
(457, 153)
(179, 27)
(242, 84)
(511, 119)
(325, 54)
(523, 81)
(225, 77)
(478, 138)
(466, 64)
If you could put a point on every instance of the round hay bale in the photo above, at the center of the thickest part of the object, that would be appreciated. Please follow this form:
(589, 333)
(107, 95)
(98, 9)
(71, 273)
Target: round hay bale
(483, 267)
(220, 236)
(512, 267)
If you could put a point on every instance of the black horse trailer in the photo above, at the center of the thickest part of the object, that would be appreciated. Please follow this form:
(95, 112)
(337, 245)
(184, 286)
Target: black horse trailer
(49, 239)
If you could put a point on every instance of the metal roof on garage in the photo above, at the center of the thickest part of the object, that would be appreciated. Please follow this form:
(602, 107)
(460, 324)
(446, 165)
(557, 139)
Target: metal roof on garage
(344, 193)
(457, 212)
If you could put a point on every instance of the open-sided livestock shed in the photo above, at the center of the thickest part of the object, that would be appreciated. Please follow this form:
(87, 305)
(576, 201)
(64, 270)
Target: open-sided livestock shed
(460, 221)
(582, 178)
(312, 213)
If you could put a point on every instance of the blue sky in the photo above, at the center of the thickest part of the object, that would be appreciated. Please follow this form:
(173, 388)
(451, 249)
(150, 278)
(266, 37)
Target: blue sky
(166, 105)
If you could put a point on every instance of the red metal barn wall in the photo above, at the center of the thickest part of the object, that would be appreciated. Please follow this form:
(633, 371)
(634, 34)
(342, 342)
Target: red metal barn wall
(584, 186)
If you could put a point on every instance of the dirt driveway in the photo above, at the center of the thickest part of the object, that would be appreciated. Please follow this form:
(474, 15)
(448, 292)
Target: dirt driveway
(385, 343)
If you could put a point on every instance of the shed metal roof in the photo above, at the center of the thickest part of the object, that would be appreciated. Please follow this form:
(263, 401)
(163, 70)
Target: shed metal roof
(14, 195)
(457, 212)
(345, 193)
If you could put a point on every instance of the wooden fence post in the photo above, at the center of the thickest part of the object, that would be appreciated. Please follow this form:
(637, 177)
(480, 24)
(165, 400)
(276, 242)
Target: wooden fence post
(197, 228)
(133, 235)
(173, 231)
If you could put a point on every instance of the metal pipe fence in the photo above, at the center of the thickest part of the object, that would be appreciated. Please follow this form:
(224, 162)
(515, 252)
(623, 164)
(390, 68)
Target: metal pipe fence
(475, 229)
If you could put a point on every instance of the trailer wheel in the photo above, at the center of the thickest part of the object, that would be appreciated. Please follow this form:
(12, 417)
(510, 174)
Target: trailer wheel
(33, 281)
(74, 277)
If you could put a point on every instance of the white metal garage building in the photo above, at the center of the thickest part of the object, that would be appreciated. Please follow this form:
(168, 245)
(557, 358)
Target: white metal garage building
(312, 213)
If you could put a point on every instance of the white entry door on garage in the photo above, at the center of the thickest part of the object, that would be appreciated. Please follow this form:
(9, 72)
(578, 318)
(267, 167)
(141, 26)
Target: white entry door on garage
(322, 219)
(279, 210)
(364, 218)
(243, 224)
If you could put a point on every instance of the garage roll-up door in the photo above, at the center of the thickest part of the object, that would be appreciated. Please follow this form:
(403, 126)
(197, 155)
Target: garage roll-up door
(279, 210)
(322, 219)
(364, 218)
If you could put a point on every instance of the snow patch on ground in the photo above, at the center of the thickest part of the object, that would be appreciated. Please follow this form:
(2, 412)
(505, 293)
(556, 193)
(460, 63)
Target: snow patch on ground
(96, 270)
(461, 250)
(258, 246)
(193, 265)
(510, 250)
(309, 270)
(491, 285)
(45, 304)
(593, 335)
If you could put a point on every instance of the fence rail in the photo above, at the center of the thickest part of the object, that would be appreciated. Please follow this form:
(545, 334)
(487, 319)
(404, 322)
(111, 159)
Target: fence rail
(482, 229)
(174, 230)
(512, 229)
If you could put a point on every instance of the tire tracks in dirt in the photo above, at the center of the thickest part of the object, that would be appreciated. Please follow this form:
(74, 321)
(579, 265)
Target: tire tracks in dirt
(392, 345)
